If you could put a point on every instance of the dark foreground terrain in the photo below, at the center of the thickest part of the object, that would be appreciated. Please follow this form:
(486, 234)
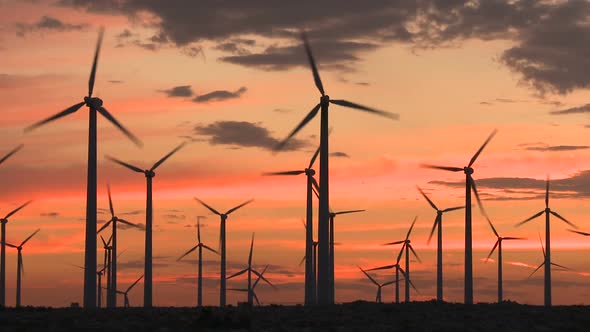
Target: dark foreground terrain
(357, 316)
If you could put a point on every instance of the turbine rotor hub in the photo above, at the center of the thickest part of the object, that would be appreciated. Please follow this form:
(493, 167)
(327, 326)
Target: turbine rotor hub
(149, 174)
(3, 220)
(93, 102)
(115, 219)
(468, 170)
(309, 172)
(324, 100)
(547, 210)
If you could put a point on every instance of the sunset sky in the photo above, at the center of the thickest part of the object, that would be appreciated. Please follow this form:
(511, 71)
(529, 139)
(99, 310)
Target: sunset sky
(232, 78)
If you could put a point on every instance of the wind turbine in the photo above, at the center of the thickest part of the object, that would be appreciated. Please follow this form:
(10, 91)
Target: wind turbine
(469, 184)
(311, 183)
(548, 212)
(407, 246)
(439, 243)
(112, 273)
(223, 217)
(498, 245)
(250, 270)
(94, 105)
(3, 222)
(19, 267)
(546, 263)
(398, 269)
(200, 245)
(99, 274)
(107, 263)
(379, 286)
(253, 286)
(332, 217)
(126, 293)
(324, 293)
(149, 175)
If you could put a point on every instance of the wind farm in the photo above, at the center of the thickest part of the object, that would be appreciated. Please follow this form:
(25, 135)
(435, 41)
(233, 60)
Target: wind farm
(222, 100)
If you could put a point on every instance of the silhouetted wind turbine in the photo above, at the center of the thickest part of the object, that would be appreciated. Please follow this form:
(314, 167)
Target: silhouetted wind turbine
(223, 217)
(107, 263)
(250, 270)
(332, 217)
(439, 245)
(311, 183)
(469, 184)
(379, 286)
(94, 105)
(4, 221)
(20, 269)
(398, 269)
(407, 246)
(253, 290)
(546, 263)
(99, 274)
(126, 292)
(498, 245)
(111, 294)
(149, 175)
(548, 212)
(200, 245)
(324, 293)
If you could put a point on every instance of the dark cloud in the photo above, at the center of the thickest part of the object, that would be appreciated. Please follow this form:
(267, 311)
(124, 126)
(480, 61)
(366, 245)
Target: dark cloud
(551, 39)
(339, 154)
(243, 134)
(115, 81)
(179, 91)
(220, 95)
(282, 110)
(556, 148)
(50, 214)
(573, 110)
(47, 23)
(175, 216)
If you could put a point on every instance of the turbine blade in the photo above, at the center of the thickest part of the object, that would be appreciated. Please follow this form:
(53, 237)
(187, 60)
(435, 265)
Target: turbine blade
(482, 147)
(314, 69)
(399, 256)
(133, 284)
(308, 117)
(302, 260)
(315, 156)
(9, 154)
(285, 173)
(578, 232)
(239, 206)
(110, 201)
(258, 279)
(256, 298)
(563, 219)
(436, 222)
(414, 252)
(530, 218)
(30, 236)
(208, 207)
(493, 249)
(386, 267)
(264, 279)
(427, 199)
(20, 262)
(237, 274)
(513, 238)
(161, 161)
(315, 184)
(542, 246)
(251, 250)
(388, 283)
(128, 223)
(114, 121)
(477, 198)
(17, 209)
(368, 276)
(561, 266)
(349, 104)
(67, 111)
(547, 192)
(95, 63)
(492, 226)
(453, 209)
(10, 245)
(537, 269)
(349, 211)
(444, 168)
(210, 249)
(124, 164)
(103, 241)
(199, 230)
(394, 243)
(186, 253)
(411, 227)
(106, 224)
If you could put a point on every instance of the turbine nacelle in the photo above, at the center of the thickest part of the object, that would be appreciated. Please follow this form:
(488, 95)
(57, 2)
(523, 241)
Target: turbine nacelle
(149, 173)
(547, 210)
(93, 102)
(3, 221)
(324, 100)
(309, 172)
(468, 170)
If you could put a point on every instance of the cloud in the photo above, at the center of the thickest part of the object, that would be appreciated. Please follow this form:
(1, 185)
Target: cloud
(220, 95)
(339, 154)
(115, 81)
(50, 214)
(243, 134)
(179, 91)
(47, 23)
(573, 110)
(556, 148)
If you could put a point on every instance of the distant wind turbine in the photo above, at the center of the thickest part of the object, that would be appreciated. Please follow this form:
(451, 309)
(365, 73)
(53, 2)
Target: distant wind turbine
(94, 105)
(253, 290)
(439, 244)
(200, 245)
(223, 217)
(250, 270)
(323, 281)
(4, 221)
(99, 274)
(112, 275)
(379, 286)
(149, 175)
(469, 184)
(498, 245)
(398, 269)
(310, 282)
(20, 269)
(546, 263)
(548, 212)
(108, 248)
(407, 246)
(332, 243)
(126, 292)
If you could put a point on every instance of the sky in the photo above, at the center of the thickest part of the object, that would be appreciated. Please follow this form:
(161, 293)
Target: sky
(232, 79)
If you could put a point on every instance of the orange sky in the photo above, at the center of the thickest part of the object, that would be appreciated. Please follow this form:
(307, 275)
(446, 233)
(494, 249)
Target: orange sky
(449, 98)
